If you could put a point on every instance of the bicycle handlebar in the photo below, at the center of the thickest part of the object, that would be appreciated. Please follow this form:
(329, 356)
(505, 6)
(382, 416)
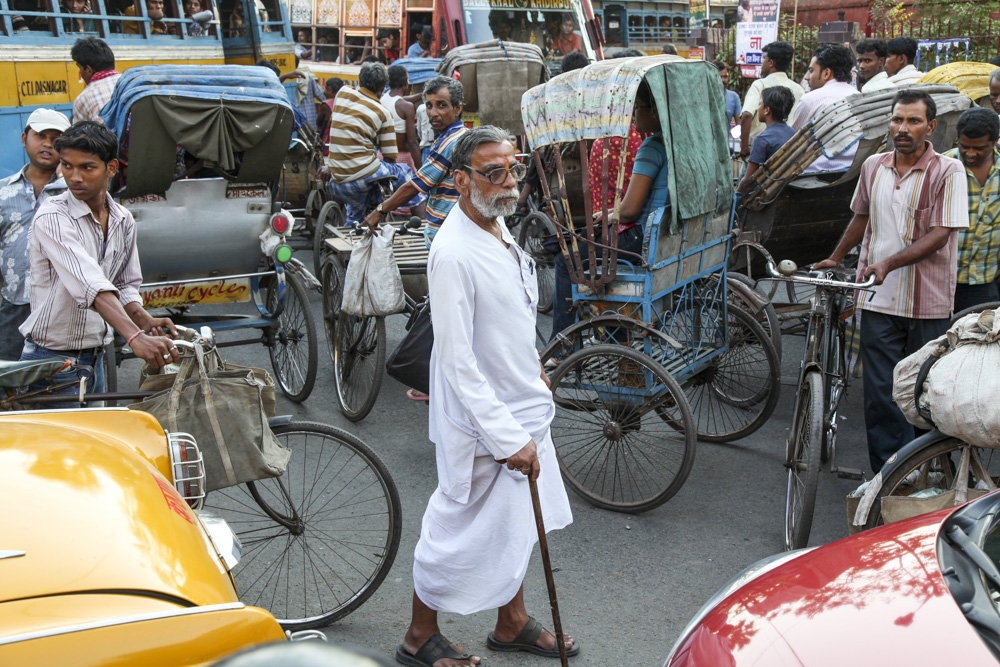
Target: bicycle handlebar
(818, 281)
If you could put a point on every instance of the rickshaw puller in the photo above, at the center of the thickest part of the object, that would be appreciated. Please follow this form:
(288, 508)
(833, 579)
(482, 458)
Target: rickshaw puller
(85, 267)
(490, 411)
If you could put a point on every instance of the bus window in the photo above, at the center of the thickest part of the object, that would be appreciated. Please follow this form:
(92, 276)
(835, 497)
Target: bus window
(234, 19)
(156, 10)
(328, 45)
(31, 23)
(78, 23)
(268, 12)
(556, 33)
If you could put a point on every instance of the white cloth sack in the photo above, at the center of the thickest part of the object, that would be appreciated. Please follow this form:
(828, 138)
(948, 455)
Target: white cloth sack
(963, 387)
(372, 284)
(904, 380)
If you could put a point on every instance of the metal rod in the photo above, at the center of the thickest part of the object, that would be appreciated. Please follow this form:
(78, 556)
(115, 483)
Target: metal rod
(543, 545)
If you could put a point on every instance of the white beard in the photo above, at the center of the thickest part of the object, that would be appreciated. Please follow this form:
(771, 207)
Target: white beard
(502, 205)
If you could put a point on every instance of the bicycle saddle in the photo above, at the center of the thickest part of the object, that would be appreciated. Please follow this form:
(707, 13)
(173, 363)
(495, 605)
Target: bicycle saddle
(388, 179)
(16, 374)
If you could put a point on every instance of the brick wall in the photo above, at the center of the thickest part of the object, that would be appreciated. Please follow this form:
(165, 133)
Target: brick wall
(815, 12)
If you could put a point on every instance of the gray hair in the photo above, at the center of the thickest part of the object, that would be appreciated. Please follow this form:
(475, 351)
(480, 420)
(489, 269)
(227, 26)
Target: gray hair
(374, 77)
(468, 142)
(454, 87)
(995, 76)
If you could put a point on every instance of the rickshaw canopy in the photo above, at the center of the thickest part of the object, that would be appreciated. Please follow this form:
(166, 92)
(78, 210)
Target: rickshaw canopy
(598, 100)
(488, 52)
(972, 79)
(420, 70)
(232, 117)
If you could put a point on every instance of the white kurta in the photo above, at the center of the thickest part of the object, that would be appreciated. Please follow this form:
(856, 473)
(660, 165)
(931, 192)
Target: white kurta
(487, 401)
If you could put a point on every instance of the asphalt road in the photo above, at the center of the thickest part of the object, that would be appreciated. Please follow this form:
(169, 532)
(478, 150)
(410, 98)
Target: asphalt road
(627, 585)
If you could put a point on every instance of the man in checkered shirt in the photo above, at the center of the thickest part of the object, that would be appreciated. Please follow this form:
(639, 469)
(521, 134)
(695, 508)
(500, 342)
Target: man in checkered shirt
(97, 69)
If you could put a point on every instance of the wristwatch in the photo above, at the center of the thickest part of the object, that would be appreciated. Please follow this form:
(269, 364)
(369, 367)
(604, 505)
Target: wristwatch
(379, 209)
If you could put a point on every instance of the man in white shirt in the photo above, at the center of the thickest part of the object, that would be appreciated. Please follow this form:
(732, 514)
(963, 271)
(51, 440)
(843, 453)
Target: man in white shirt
(871, 65)
(773, 71)
(829, 81)
(899, 64)
(490, 410)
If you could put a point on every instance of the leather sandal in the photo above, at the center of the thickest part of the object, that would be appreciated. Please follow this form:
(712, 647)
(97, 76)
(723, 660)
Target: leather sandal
(527, 640)
(434, 649)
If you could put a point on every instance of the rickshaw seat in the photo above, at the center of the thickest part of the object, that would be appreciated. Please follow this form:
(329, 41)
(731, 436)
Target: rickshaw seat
(16, 374)
(388, 179)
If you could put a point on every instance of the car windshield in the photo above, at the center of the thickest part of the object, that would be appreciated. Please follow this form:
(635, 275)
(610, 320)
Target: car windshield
(557, 30)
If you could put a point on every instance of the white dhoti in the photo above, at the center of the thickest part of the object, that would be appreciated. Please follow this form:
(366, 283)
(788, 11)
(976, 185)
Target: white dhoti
(473, 556)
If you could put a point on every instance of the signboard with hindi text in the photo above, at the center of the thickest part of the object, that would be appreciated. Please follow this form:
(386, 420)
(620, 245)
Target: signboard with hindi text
(757, 25)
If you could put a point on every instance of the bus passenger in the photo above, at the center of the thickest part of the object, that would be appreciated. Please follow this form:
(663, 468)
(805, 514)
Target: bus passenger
(422, 47)
(78, 24)
(567, 41)
(775, 106)
(388, 42)
(237, 21)
(96, 63)
(20, 196)
(199, 18)
(154, 10)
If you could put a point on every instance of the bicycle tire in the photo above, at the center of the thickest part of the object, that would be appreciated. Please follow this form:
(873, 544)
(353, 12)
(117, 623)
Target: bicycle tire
(738, 391)
(333, 294)
(802, 461)
(628, 463)
(293, 538)
(295, 326)
(924, 457)
(990, 305)
(331, 214)
(767, 317)
(529, 238)
(835, 371)
(358, 363)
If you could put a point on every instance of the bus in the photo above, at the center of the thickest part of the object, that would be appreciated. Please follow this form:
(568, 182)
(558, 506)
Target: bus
(650, 24)
(336, 36)
(36, 37)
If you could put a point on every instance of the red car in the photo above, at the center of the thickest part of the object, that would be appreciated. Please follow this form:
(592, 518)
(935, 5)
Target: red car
(923, 591)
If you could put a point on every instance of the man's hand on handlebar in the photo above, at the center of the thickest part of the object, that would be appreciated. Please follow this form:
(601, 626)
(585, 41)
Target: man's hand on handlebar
(157, 351)
(825, 264)
(879, 270)
(372, 221)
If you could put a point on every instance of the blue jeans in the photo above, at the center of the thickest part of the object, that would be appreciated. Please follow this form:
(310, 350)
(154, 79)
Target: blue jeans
(354, 195)
(11, 341)
(93, 358)
(562, 301)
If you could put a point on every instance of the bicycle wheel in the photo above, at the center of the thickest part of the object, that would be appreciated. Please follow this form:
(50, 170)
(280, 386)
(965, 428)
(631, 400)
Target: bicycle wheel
(834, 387)
(358, 362)
(534, 227)
(332, 214)
(737, 392)
(293, 353)
(933, 465)
(992, 305)
(614, 448)
(333, 293)
(767, 317)
(319, 540)
(802, 461)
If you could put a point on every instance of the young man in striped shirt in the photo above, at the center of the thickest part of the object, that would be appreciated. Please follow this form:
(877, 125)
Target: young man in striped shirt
(906, 207)
(443, 100)
(360, 126)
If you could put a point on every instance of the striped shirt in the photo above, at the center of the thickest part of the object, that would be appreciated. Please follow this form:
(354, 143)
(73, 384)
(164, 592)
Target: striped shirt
(71, 263)
(359, 126)
(979, 245)
(901, 209)
(88, 104)
(434, 178)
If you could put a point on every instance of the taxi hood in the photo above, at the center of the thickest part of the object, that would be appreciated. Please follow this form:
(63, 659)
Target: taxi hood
(85, 499)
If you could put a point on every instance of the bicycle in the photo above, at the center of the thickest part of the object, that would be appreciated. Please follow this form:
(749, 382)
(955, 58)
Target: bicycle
(316, 541)
(823, 382)
(927, 468)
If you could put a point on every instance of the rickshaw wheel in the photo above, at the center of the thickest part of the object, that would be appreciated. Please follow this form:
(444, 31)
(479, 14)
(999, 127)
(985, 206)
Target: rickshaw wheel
(615, 447)
(314, 206)
(331, 214)
(534, 228)
(737, 393)
(333, 293)
(358, 363)
(319, 539)
(768, 316)
(293, 350)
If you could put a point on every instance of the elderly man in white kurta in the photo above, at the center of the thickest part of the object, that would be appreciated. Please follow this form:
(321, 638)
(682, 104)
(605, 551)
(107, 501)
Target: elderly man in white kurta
(490, 410)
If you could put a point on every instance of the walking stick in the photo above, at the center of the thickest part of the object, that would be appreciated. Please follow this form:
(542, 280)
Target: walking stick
(550, 582)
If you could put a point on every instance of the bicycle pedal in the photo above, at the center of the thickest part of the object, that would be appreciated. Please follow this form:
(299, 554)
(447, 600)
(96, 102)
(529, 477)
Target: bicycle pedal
(850, 473)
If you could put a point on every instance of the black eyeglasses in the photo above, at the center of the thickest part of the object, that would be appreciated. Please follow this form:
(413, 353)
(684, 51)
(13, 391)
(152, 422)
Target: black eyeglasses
(498, 175)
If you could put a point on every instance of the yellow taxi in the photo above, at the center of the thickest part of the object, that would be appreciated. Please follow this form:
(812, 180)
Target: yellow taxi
(102, 558)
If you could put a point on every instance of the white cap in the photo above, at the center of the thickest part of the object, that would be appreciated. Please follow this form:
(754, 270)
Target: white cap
(47, 119)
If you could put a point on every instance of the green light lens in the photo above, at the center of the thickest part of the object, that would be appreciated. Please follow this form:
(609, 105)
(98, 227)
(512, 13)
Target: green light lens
(283, 254)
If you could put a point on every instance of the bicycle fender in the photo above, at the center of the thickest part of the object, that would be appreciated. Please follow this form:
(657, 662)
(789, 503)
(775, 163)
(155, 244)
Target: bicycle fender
(280, 420)
(755, 299)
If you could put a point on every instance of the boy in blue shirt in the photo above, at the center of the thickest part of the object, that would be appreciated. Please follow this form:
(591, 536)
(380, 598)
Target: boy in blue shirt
(775, 105)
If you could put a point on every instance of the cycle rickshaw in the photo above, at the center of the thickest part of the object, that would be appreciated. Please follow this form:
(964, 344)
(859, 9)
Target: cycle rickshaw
(657, 356)
(201, 152)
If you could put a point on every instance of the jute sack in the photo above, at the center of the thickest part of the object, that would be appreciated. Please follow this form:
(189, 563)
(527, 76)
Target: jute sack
(905, 377)
(963, 386)
(224, 411)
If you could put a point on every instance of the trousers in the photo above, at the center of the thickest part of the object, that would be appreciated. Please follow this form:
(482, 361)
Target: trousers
(885, 341)
(93, 358)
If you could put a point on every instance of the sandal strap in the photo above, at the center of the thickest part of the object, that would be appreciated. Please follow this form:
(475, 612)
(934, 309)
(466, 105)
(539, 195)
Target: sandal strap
(436, 648)
(530, 633)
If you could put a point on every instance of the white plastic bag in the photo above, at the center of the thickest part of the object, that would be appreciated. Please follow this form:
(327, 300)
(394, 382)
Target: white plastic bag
(963, 387)
(372, 284)
(904, 381)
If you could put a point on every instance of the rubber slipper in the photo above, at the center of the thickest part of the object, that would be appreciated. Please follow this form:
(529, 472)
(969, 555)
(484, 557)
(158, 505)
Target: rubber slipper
(434, 649)
(415, 395)
(527, 640)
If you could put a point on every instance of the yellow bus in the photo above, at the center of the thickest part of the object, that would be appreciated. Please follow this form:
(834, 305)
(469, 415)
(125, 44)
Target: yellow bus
(36, 37)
